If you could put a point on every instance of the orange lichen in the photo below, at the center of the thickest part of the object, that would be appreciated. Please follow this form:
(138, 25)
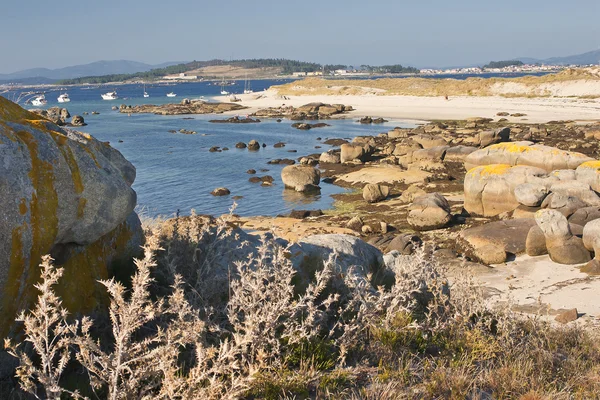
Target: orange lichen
(512, 147)
(489, 170)
(595, 164)
(23, 207)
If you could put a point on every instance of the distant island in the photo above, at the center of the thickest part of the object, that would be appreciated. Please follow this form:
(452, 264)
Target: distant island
(255, 68)
(503, 64)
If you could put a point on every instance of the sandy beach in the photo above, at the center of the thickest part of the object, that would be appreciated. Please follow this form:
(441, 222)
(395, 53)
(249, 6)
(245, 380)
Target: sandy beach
(537, 110)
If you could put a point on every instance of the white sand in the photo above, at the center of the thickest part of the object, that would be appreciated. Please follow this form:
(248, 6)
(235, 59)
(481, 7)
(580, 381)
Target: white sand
(538, 110)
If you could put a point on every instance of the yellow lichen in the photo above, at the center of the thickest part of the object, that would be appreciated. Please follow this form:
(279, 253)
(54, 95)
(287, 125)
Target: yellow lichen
(594, 164)
(489, 170)
(512, 147)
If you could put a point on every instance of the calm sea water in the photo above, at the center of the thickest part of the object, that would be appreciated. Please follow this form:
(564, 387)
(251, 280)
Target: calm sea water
(177, 171)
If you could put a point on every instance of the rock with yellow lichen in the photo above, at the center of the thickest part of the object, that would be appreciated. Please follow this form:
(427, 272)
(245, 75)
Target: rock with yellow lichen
(61, 192)
(526, 153)
(490, 190)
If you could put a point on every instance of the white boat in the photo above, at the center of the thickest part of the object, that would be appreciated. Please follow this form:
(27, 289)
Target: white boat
(224, 92)
(110, 96)
(39, 101)
(171, 94)
(247, 89)
(146, 93)
(64, 98)
(223, 83)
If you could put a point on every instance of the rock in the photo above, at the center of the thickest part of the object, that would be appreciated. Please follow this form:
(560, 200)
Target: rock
(565, 204)
(591, 236)
(308, 161)
(366, 229)
(300, 177)
(301, 214)
(526, 154)
(214, 149)
(59, 188)
(492, 137)
(567, 316)
(563, 247)
(535, 245)
(351, 152)
(430, 211)
(429, 141)
(489, 190)
(253, 145)
(240, 145)
(220, 192)
(458, 153)
(195, 107)
(584, 215)
(329, 157)
(592, 268)
(411, 193)
(355, 224)
(589, 172)
(78, 120)
(279, 145)
(373, 193)
(404, 243)
(492, 242)
(530, 194)
(251, 171)
(186, 102)
(578, 189)
(352, 255)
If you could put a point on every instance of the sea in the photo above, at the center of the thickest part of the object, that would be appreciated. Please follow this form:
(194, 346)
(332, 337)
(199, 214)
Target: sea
(176, 172)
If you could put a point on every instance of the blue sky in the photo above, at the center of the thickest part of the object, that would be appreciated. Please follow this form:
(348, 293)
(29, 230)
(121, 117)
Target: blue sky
(37, 33)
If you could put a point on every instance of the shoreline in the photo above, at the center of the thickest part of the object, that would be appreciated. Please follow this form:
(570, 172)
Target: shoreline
(421, 108)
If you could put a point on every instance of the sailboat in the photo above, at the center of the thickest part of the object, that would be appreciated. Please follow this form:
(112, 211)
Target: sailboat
(171, 94)
(145, 93)
(247, 89)
(223, 91)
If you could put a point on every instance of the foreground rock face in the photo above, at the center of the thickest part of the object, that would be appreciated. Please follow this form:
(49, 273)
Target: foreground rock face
(63, 192)
(193, 107)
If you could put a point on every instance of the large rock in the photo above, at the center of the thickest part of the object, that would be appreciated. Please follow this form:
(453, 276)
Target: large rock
(430, 211)
(563, 247)
(589, 172)
(578, 189)
(350, 152)
(60, 188)
(329, 157)
(530, 194)
(584, 215)
(591, 236)
(373, 193)
(528, 154)
(300, 177)
(458, 153)
(565, 204)
(489, 190)
(350, 253)
(493, 242)
(492, 137)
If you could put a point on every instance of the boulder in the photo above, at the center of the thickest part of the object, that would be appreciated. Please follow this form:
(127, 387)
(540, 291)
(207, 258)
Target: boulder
(59, 188)
(329, 157)
(565, 204)
(492, 137)
(536, 240)
(301, 178)
(220, 192)
(351, 254)
(406, 147)
(430, 154)
(253, 145)
(77, 120)
(591, 236)
(584, 215)
(373, 193)
(589, 172)
(563, 247)
(350, 152)
(429, 141)
(355, 223)
(430, 211)
(530, 194)
(412, 192)
(492, 242)
(578, 189)
(240, 145)
(458, 153)
(527, 154)
(489, 190)
(404, 243)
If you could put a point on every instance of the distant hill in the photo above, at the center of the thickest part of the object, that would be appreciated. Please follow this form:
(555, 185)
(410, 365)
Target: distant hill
(591, 57)
(44, 75)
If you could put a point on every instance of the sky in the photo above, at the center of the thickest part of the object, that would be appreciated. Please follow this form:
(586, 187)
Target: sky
(421, 33)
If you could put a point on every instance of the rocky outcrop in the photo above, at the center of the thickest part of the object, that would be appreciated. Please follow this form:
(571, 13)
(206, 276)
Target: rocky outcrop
(235, 120)
(301, 178)
(194, 107)
(563, 247)
(527, 154)
(489, 190)
(310, 111)
(64, 193)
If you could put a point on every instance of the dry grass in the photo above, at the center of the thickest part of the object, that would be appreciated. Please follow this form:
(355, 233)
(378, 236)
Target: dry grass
(435, 87)
(263, 337)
